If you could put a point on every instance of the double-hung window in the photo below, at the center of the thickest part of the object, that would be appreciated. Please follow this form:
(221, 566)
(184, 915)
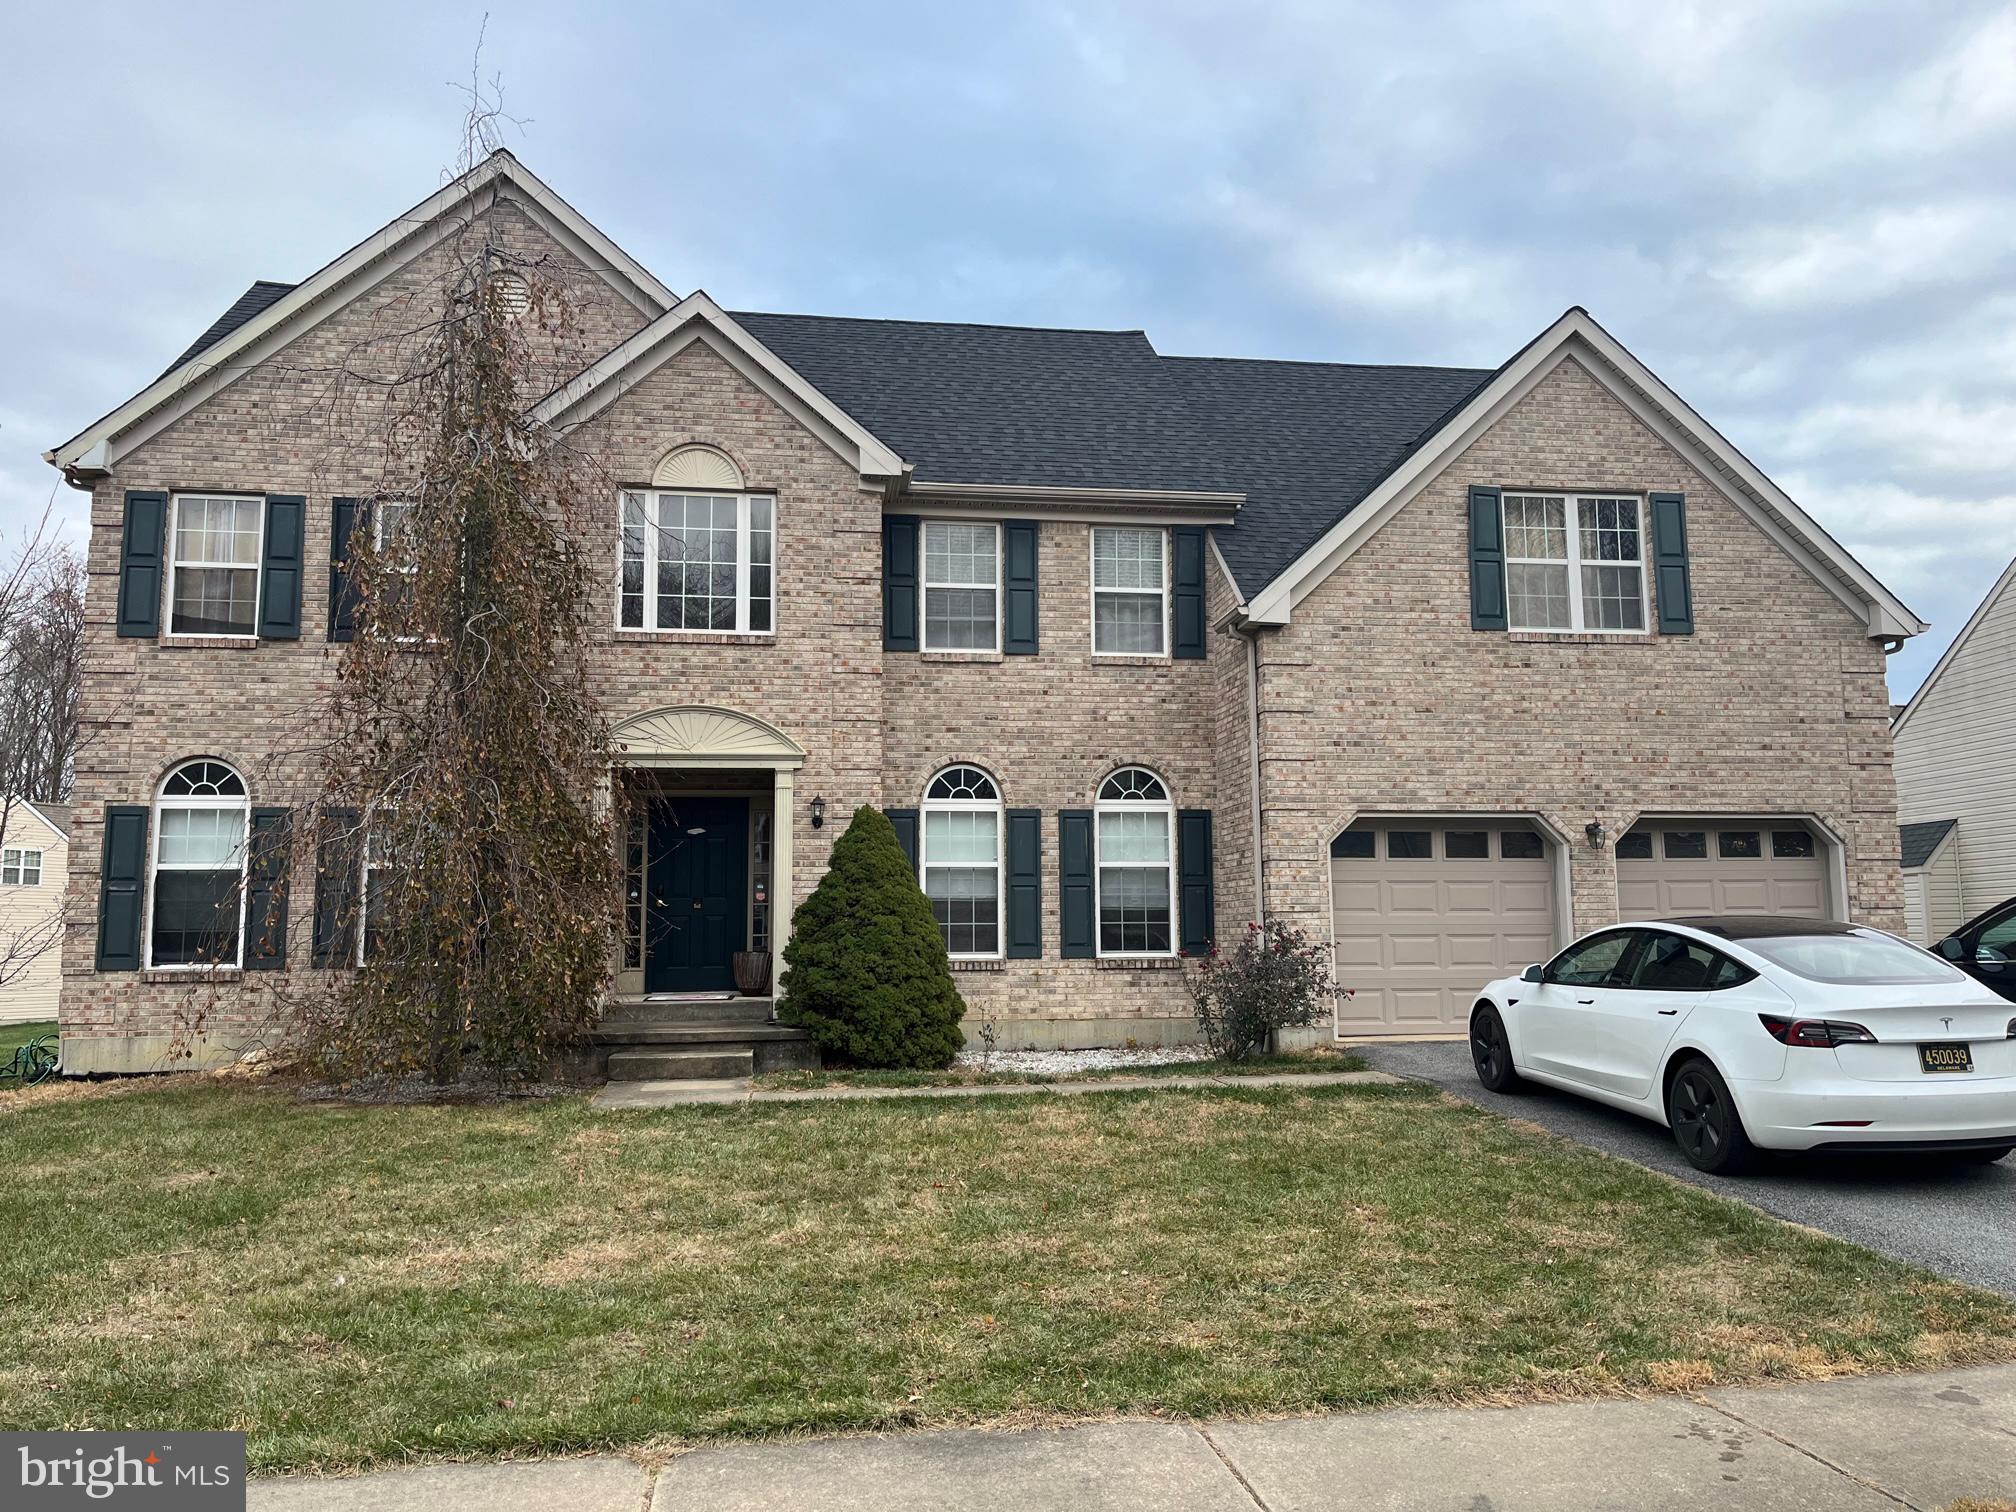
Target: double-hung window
(698, 562)
(197, 902)
(962, 586)
(1130, 591)
(1136, 870)
(961, 860)
(398, 556)
(213, 565)
(21, 868)
(1574, 562)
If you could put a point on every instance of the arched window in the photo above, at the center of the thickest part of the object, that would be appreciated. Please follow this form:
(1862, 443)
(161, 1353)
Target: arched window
(961, 860)
(196, 905)
(1136, 869)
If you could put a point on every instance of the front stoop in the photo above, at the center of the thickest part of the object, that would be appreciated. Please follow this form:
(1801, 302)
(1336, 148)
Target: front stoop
(697, 1039)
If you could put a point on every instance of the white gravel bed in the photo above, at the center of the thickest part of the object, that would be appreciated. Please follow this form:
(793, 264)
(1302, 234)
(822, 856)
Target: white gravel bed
(1065, 1062)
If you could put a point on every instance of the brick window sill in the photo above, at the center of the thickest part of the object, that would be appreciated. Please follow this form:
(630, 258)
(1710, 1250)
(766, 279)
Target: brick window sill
(207, 643)
(169, 977)
(981, 657)
(1137, 963)
(693, 638)
(979, 965)
(1579, 638)
(1108, 659)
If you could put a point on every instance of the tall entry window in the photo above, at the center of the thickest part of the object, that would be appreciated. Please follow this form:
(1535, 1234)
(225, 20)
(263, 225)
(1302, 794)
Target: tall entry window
(698, 562)
(1136, 845)
(961, 860)
(197, 901)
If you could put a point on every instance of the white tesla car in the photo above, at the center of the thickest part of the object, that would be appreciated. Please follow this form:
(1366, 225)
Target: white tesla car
(1743, 1033)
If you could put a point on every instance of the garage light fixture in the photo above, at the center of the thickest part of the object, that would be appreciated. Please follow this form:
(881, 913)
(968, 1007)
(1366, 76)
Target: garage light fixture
(1595, 831)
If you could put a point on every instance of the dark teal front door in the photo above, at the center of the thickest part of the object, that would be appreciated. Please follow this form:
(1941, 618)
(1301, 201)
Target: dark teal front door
(696, 893)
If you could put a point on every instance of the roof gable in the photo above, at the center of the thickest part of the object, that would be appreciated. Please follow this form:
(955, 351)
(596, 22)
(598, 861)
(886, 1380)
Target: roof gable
(257, 325)
(699, 318)
(1577, 335)
(1986, 609)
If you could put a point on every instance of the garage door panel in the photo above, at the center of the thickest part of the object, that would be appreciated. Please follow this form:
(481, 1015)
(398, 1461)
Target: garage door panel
(1416, 937)
(1651, 886)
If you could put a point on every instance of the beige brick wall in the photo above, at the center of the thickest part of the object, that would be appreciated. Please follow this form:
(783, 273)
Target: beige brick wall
(1051, 727)
(1380, 697)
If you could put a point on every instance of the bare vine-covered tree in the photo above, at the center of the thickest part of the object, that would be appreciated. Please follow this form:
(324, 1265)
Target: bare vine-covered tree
(466, 845)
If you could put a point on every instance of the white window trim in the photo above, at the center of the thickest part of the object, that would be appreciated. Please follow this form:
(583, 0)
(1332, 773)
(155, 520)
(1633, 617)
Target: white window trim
(650, 497)
(1092, 577)
(257, 567)
(925, 585)
(162, 802)
(1572, 519)
(1166, 806)
(17, 860)
(992, 806)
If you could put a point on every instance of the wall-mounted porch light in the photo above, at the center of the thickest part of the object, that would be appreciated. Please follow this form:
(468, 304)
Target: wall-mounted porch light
(818, 812)
(1595, 831)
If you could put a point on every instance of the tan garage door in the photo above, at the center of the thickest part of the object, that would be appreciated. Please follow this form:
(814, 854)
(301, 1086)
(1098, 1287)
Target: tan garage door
(1672, 868)
(1427, 912)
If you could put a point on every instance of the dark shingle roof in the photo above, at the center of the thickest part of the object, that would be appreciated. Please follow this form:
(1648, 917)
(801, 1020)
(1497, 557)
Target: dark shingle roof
(1306, 441)
(252, 302)
(1920, 840)
(1000, 404)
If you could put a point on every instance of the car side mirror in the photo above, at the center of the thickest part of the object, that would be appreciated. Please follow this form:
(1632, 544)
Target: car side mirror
(1951, 948)
(1533, 974)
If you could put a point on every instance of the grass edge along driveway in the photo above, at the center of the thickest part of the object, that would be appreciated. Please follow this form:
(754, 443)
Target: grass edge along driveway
(353, 1285)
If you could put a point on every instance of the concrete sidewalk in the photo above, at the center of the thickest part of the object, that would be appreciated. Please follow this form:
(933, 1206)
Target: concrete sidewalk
(1877, 1443)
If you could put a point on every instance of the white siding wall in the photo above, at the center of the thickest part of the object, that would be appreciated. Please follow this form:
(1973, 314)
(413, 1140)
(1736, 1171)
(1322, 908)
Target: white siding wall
(1932, 906)
(1956, 757)
(1914, 907)
(31, 995)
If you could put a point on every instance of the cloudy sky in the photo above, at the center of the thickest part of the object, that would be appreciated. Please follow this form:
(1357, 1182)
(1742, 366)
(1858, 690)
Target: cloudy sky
(1802, 216)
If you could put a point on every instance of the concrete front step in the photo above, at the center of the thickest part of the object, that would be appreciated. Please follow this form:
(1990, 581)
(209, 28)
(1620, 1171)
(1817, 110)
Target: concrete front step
(741, 1010)
(695, 1034)
(654, 1064)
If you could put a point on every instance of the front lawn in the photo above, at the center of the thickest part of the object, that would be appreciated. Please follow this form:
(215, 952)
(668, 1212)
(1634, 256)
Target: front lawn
(14, 1036)
(350, 1284)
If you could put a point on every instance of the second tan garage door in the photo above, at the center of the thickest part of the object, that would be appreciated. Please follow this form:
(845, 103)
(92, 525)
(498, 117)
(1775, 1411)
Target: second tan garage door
(1427, 912)
(1672, 868)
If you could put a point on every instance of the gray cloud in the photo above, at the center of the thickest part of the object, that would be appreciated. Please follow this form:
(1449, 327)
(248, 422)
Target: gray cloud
(1800, 215)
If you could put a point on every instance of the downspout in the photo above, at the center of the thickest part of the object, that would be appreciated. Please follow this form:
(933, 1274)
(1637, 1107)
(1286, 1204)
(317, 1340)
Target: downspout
(1252, 639)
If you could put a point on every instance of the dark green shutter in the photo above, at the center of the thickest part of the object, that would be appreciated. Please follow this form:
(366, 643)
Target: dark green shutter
(905, 820)
(1025, 884)
(338, 857)
(1186, 592)
(1196, 913)
(1074, 884)
(899, 582)
(141, 540)
(280, 572)
(1018, 554)
(122, 871)
(1487, 560)
(1672, 579)
(266, 871)
(346, 518)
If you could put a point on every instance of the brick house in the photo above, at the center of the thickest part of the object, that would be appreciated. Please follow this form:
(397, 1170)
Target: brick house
(1444, 665)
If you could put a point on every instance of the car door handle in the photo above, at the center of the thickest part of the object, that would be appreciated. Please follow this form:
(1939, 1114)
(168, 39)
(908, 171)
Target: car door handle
(1668, 1012)
(1584, 1002)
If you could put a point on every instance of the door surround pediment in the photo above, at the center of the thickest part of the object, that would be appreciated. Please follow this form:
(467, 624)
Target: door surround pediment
(703, 735)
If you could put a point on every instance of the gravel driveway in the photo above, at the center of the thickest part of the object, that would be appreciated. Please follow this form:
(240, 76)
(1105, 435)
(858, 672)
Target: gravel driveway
(1957, 1220)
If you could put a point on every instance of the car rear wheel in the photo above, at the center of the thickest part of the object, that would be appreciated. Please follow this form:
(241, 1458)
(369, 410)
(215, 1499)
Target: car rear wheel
(1491, 1051)
(1705, 1122)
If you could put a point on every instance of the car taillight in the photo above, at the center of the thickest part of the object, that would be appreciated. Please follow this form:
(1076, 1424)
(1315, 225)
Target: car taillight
(1815, 1034)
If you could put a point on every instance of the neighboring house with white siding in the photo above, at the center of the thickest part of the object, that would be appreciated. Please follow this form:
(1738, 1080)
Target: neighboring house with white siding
(1956, 768)
(34, 873)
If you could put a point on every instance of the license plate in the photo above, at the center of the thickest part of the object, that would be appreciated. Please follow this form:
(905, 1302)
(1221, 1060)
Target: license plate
(1934, 1058)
